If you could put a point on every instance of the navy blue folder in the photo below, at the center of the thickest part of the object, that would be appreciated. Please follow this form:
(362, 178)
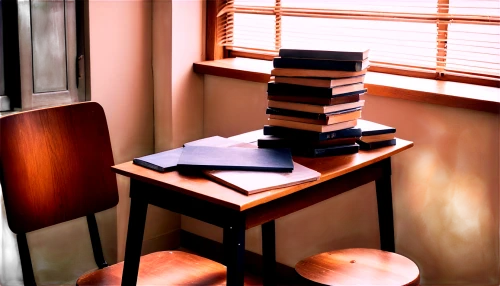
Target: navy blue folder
(235, 158)
(167, 160)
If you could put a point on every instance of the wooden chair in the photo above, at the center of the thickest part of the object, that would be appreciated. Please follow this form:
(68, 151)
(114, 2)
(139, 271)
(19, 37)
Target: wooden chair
(55, 166)
(359, 266)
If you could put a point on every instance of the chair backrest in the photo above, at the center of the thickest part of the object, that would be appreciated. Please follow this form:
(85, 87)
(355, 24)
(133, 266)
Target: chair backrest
(55, 165)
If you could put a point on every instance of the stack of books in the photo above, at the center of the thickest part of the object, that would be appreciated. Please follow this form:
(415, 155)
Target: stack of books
(375, 135)
(314, 101)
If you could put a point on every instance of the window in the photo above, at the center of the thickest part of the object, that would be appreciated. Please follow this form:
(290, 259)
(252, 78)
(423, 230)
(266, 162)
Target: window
(456, 40)
(43, 52)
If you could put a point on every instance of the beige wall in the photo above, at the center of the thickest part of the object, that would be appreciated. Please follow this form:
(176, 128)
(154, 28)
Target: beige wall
(178, 41)
(445, 189)
(121, 81)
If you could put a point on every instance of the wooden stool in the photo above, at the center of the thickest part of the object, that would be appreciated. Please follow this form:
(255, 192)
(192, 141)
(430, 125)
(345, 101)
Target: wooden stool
(359, 266)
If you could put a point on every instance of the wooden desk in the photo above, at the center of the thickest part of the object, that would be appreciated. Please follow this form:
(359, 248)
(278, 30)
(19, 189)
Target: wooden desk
(210, 202)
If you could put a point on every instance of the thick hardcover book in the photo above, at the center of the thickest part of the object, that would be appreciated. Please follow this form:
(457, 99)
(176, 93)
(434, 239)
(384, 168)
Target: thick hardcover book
(302, 90)
(328, 151)
(319, 82)
(312, 127)
(315, 100)
(269, 141)
(234, 158)
(375, 145)
(339, 54)
(316, 64)
(369, 128)
(310, 135)
(315, 108)
(315, 73)
(251, 182)
(167, 160)
(315, 118)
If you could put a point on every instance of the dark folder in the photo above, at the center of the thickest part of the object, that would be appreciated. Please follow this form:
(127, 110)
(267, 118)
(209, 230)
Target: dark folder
(234, 158)
(167, 160)
(161, 162)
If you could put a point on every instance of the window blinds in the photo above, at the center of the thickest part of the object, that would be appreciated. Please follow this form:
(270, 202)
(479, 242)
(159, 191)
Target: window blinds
(439, 37)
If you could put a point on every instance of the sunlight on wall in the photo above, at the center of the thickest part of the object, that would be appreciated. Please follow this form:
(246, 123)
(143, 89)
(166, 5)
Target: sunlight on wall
(10, 265)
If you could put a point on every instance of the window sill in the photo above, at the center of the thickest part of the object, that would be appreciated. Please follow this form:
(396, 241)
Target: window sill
(453, 94)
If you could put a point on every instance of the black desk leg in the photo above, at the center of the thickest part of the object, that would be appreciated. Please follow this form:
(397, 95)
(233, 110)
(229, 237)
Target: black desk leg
(234, 251)
(384, 204)
(135, 235)
(269, 253)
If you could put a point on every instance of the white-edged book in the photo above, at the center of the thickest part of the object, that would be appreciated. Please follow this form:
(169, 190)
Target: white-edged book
(314, 108)
(251, 182)
(312, 127)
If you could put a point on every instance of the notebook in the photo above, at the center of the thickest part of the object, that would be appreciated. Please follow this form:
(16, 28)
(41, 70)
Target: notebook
(251, 182)
(235, 158)
(167, 160)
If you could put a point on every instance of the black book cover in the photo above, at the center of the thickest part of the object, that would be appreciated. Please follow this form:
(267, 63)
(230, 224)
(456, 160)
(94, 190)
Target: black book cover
(234, 158)
(346, 55)
(302, 114)
(270, 141)
(160, 162)
(371, 128)
(310, 135)
(319, 64)
(303, 90)
(338, 99)
(328, 151)
(375, 145)
(167, 160)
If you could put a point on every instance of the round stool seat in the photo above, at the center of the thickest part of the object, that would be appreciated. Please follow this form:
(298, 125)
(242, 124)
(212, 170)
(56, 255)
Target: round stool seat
(359, 266)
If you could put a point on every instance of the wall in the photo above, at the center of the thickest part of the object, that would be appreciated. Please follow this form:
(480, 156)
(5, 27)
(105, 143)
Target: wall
(178, 42)
(121, 81)
(445, 189)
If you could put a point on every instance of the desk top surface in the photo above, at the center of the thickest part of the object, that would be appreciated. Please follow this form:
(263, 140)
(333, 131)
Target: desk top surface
(200, 187)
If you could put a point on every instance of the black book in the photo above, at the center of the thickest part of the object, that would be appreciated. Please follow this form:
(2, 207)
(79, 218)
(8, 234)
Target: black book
(320, 64)
(327, 151)
(167, 160)
(310, 135)
(234, 158)
(270, 141)
(369, 128)
(160, 162)
(303, 90)
(375, 145)
(338, 99)
(350, 54)
(302, 114)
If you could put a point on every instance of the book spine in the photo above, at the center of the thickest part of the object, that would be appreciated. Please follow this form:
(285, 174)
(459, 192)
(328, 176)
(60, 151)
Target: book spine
(375, 145)
(330, 55)
(316, 100)
(310, 135)
(294, 113)
(149, 165)
(333, 151)
(317, 64)
(298, 90)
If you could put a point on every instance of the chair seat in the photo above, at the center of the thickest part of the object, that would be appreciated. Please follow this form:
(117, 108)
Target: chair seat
(359, 266)
(163, 268)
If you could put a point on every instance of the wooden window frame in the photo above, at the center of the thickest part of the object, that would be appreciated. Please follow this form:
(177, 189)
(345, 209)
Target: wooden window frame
(214, 51)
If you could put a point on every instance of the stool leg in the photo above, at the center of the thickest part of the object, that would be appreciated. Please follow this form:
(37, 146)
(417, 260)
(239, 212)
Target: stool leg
(384, 204)
(269, 253)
